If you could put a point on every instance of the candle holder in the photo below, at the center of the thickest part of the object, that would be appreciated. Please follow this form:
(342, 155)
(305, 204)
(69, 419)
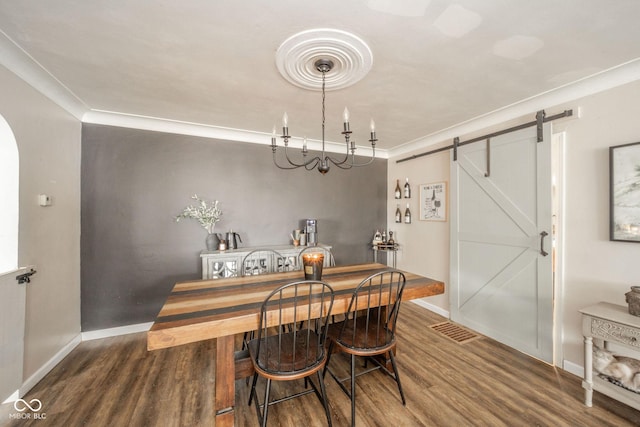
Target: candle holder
(312, 264)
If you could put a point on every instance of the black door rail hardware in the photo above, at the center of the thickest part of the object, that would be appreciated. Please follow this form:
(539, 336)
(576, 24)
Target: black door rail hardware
(25, 277)
(540, 119)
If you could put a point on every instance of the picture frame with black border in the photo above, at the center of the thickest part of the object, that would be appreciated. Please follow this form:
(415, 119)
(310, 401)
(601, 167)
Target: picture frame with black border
(624, 192)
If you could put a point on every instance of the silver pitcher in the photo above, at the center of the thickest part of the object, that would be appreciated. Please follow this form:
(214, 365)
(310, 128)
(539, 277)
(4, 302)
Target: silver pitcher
(232, 243)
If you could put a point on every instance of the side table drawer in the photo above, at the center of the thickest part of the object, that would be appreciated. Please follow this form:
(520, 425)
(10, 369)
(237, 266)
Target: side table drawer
(615, 332)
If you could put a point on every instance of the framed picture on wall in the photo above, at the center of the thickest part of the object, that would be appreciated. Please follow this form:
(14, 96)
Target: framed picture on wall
(433, 201)
(624, 192)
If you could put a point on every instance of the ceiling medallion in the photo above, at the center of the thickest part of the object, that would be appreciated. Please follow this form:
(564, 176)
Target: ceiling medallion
(296, 58)
(323, 60)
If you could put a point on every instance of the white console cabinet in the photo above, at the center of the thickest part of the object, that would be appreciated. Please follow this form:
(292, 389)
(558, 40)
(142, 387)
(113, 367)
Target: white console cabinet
(609, 323)
(221, 264)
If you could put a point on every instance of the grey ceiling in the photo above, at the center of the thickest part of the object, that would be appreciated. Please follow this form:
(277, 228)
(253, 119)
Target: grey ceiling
(435, 63)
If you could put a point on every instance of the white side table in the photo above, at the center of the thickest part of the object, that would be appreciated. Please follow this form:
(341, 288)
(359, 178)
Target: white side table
(608, 322)
(392, 249)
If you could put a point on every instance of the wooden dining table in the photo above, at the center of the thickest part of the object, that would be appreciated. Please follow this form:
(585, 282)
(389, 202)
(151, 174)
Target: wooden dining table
(222, 308)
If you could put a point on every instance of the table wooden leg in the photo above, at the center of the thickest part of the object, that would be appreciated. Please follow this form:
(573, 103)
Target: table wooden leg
(225, 382)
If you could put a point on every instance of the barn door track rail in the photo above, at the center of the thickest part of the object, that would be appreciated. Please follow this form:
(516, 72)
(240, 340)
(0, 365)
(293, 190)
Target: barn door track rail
(538, 122)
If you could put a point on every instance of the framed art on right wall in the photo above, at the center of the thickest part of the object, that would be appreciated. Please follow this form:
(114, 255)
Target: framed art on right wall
(624, 192)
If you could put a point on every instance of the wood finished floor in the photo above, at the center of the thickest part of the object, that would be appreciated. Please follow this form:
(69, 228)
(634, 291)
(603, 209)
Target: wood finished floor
(116, 382)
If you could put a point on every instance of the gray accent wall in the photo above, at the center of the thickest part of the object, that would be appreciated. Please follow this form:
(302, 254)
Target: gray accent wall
(135, 182)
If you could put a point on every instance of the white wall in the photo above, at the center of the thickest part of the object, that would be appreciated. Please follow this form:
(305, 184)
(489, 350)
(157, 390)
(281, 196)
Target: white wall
(595, 269)
(424, 245)
(48, 140)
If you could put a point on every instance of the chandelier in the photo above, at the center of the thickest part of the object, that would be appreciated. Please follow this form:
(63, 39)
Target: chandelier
(323, 161)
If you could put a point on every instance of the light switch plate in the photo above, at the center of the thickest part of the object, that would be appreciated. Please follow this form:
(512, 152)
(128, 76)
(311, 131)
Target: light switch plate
(44, 200)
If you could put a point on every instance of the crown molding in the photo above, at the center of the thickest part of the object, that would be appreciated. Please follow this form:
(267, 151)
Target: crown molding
(18, 61)
(608, 79)
(23, 65)
(157, 124)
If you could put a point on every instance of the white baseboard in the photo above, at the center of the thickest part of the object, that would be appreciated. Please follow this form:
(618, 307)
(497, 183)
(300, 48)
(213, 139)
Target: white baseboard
(429, 306)
(573, 368)
(64, 352)
(14, 396)
(114, 332)
(49, 365)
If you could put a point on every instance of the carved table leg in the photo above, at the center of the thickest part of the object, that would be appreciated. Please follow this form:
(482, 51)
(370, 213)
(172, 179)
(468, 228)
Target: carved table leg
(587, 384)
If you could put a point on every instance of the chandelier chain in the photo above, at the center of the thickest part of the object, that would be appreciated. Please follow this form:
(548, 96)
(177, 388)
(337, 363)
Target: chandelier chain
(324, 73)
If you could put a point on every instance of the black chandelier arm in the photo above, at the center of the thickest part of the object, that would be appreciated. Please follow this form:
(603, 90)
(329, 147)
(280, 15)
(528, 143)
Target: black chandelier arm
(298, 165)
(341, 163)
(310, 166)
(337, 162)
(275, 162)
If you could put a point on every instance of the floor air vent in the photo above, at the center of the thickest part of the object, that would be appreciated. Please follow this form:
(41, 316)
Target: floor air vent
(455, 332)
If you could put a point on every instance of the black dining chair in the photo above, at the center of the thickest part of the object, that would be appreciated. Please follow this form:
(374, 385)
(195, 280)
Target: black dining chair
(257, 262)
(369, 329)
(296, 351)
(262, 261)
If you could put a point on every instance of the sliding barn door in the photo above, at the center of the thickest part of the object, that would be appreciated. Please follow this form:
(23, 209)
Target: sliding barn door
(501, 270)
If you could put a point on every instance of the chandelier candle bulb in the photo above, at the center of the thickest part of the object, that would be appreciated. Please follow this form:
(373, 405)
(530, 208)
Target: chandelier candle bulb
(273, 138)
(285, 127)
(345, 115)
(304, 146)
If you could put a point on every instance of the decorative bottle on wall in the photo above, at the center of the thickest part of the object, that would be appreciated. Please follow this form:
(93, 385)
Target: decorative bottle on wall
(398, 193)
(407, 215)
(407, 190)
(398, 214)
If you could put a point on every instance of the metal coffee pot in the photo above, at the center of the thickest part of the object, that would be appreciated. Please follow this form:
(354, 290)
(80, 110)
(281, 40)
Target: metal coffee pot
(232, 243)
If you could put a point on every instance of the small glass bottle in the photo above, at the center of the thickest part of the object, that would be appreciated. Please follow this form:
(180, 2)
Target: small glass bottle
(407, 215)
(398, 214)
(398, 193)
(407, 190)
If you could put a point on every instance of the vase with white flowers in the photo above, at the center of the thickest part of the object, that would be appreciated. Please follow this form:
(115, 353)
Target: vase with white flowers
(207, 214)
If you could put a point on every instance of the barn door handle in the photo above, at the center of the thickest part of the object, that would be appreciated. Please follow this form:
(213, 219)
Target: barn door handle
(542, 236)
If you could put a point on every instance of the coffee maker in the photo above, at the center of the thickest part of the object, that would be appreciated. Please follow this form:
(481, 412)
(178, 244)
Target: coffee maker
(311, 228)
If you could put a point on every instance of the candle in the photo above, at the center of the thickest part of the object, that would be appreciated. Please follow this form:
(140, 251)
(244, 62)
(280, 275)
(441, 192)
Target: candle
(345, 115)
(285, 125)
(273, 137)
(312, 263)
